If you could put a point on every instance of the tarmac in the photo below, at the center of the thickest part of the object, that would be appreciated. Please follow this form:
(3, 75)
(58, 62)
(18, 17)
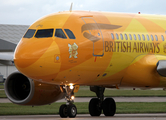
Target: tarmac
(88, 117)
(117, 99)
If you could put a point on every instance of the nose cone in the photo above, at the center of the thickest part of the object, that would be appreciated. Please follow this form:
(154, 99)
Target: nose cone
(29, 51)
(38, 58)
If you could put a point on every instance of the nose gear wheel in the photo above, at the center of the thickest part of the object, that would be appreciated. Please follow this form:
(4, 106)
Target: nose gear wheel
(68, 109)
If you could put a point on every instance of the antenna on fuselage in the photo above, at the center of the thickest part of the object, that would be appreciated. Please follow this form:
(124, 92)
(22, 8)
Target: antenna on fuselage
(71, 7)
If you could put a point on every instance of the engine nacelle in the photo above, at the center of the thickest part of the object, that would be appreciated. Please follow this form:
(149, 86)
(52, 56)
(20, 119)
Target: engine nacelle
(24, 91)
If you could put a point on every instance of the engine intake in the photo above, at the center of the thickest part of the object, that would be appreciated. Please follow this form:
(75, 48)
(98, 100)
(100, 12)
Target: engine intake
(24, 91)
(18, 88)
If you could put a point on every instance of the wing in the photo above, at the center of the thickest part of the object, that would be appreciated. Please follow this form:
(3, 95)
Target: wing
(6, 58)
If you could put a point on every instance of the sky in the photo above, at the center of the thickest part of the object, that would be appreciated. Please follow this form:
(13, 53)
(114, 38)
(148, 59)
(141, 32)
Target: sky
(26, 12)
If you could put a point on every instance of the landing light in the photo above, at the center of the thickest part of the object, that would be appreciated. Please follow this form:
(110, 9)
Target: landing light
(71, 86)
(72, 97)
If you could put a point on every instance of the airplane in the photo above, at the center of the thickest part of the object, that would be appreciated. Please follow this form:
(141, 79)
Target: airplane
(65, 50)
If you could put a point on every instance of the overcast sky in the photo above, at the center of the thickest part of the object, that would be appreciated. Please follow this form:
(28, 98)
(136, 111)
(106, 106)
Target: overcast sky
(25, 12)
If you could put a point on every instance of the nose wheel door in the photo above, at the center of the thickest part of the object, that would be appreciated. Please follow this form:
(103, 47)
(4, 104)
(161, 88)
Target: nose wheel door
(92, 32)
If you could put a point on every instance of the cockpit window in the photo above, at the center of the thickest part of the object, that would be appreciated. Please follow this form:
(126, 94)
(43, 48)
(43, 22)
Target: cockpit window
(29, 33)
(59, 33)
(70, 34)
(44, 33)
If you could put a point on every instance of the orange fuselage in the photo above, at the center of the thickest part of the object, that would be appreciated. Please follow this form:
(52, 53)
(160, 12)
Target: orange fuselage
(109, 49)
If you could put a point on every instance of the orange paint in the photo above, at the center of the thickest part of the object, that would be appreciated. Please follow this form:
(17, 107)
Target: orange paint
(98, 55)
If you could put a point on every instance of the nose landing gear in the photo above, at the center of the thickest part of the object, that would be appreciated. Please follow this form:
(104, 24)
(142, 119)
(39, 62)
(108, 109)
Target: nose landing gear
(68, 109)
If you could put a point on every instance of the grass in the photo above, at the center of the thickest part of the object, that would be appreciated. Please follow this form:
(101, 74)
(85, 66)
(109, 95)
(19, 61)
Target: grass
(124, 93)
(85, 92)
(1, 86)
(82, 108)
(2, 94)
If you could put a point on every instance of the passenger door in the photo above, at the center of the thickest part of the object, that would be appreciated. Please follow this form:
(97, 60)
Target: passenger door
(93, 33)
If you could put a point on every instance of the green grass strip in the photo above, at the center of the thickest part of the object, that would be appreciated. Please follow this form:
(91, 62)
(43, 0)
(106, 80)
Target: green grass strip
(123, 93)
(115, 93)
(1, 86)
(2, 94)
(85, 92)
(82, 108)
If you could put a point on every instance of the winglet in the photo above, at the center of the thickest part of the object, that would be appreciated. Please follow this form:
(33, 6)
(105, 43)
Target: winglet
(71, 7)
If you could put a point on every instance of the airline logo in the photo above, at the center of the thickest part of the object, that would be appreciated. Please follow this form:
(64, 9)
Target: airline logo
(138, 47)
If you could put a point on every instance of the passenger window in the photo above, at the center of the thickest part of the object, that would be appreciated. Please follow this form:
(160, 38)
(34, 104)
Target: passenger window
(29, 33)
(162, 37)
(139, 37)
(117, 37)
(130, 36)
(121, 36)
(152, 37)
(156, 37)
(112, 35)
(59, 33)
(126, 37)
(44, 33)
(147, 36)
(70, 34)
(135, 38)
(143, 37)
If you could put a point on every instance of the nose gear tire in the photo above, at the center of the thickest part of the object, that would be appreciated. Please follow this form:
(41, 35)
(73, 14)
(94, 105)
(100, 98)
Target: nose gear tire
(72, 111)
(63, 111)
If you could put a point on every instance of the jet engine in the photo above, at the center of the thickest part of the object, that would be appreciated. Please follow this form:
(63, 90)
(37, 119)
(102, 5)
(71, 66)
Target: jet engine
(24, 91)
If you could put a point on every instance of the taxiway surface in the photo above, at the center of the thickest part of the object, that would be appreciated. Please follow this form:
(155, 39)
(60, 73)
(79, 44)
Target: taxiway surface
(117, 99)
(88, 117)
